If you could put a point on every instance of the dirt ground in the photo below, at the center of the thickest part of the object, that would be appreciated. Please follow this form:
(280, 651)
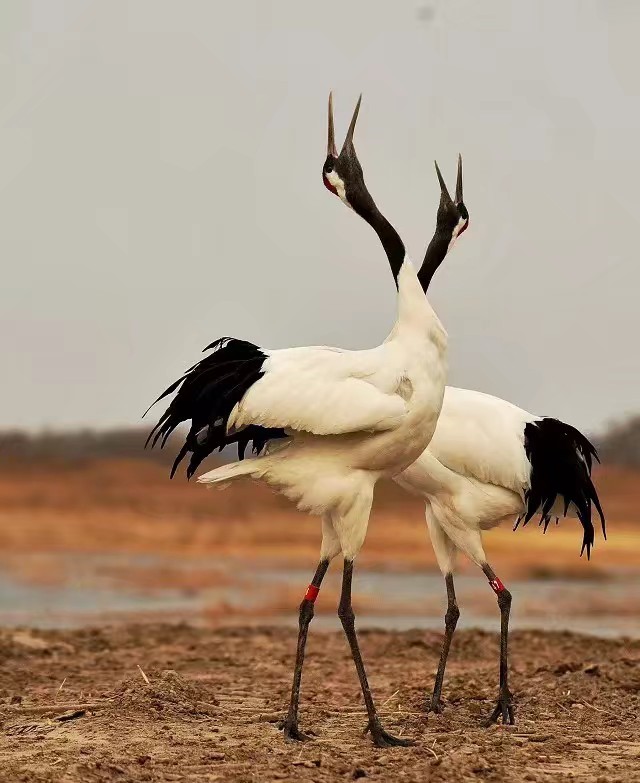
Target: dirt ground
(174, 703)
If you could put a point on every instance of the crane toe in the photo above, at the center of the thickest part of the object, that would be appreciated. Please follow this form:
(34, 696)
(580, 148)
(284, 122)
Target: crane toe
(291, 731)
(382, 738)
(503, 709)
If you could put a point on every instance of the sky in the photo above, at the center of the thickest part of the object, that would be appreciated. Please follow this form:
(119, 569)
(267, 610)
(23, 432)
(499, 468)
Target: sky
(160, 186)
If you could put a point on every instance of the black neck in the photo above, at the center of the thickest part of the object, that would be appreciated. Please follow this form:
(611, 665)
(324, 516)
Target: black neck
(391, 242)
(434, 256)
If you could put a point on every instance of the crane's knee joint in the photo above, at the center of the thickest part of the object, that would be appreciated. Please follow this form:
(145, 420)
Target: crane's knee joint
(346, 615)
(451, 617)
(306, 612)
(504, 599)
(504, 596)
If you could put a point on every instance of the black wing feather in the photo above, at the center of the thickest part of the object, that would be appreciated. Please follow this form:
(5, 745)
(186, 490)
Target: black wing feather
(205, 395)
(561, 460)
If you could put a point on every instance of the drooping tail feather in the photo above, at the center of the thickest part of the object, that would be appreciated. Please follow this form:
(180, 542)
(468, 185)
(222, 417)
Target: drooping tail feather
(205, 395)
(561, 459)
(228, 472)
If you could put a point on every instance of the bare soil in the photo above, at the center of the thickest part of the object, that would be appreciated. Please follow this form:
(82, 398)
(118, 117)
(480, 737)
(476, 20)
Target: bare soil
(174, 703)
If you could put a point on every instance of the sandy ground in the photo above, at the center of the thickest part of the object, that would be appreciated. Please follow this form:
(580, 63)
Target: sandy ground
(76, 706)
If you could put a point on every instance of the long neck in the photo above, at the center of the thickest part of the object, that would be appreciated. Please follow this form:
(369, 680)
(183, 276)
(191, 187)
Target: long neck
(414, 311)
(391, 242)
(437, 250)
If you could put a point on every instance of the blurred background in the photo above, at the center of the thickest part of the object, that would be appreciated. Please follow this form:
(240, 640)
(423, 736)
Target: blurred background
(160, 186)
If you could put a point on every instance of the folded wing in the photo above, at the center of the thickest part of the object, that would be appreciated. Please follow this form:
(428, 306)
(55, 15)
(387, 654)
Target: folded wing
(243, 394)
(482, 437)
(307, 402)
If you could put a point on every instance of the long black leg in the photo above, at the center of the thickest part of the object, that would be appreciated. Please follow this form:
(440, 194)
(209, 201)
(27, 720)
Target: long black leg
(504, 707)
(345, 612)
(450, 622)
(290, 724)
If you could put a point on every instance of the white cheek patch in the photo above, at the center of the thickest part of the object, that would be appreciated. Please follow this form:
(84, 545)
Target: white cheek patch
(458, 228)
(335, 182)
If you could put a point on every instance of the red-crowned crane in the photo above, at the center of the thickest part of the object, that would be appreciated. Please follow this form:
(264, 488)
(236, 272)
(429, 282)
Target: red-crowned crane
(490, 461)
(334, 422)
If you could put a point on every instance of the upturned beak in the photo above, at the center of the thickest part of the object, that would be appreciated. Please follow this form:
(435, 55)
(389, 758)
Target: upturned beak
(348, 140)
(343, 167)
(443, 187)
(331, 138)
(347, 147)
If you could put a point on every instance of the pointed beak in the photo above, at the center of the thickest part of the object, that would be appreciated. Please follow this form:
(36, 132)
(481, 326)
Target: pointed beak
(342, 172)
(443, 187)
(331, 138)
(348, 141)
(459, 198)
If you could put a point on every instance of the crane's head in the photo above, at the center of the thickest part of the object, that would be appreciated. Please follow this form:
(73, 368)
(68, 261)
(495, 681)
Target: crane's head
(342, 173)
(453, 216)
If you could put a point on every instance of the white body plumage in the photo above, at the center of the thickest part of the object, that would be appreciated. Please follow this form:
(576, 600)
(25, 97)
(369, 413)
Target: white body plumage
(475, 473)
(352, 417)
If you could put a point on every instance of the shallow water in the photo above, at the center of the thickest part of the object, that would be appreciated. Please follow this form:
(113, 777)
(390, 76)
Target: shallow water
(69, 590)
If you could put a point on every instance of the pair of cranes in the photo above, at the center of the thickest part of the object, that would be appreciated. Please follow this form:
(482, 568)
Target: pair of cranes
(327, 424)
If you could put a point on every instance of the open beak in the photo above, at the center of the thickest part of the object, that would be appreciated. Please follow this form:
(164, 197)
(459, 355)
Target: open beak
(443, 188)
(339, 167)
(347, 147)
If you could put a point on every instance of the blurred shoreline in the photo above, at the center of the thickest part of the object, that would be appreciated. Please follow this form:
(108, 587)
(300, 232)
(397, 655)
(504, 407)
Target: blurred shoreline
(91, 540)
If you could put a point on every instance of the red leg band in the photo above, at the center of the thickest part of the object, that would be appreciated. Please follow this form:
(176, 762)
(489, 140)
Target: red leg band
(312, 593)
(496, 585)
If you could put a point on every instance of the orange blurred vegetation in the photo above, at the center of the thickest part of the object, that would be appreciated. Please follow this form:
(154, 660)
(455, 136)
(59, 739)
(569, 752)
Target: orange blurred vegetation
(117, 505)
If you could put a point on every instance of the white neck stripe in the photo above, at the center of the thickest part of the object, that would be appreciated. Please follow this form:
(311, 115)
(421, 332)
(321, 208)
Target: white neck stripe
(336, 182)
(456, 231)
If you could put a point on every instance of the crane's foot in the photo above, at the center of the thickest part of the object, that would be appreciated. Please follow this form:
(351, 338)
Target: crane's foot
(503, 709)
(382, 738)
(289, 727)
(436, 706)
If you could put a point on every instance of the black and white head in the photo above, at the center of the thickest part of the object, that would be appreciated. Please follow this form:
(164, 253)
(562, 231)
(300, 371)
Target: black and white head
(342, 173)
(453, 216)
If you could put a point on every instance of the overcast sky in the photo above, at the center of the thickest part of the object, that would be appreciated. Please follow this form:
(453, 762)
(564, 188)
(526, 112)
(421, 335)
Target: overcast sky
(160, 186)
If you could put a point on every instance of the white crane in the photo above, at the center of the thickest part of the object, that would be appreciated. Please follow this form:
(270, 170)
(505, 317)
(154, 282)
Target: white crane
(489, 461)
(336, 421)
